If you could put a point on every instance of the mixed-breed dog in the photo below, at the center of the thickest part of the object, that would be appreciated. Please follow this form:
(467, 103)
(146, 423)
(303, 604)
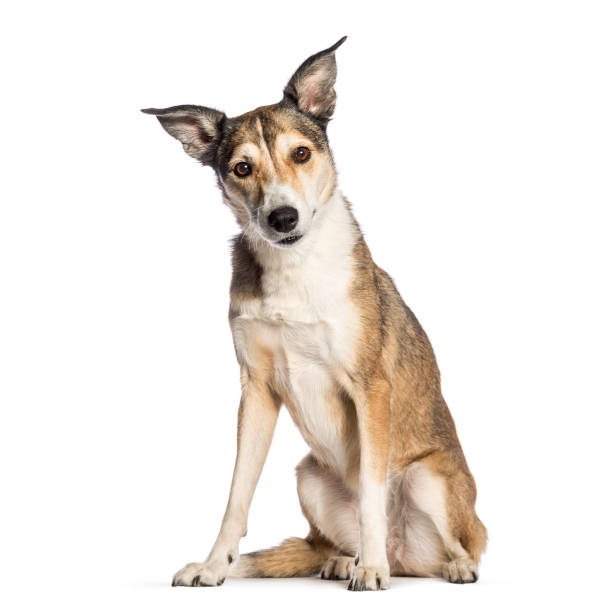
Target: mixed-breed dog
(319, 328)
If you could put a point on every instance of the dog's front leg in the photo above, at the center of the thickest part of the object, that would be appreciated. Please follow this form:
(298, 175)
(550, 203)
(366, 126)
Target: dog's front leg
(372, 571)
(257, 417)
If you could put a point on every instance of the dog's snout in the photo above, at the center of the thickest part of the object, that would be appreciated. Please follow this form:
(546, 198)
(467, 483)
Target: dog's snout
(283, 219)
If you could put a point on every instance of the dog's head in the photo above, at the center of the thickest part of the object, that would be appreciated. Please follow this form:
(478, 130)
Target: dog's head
(273, 164)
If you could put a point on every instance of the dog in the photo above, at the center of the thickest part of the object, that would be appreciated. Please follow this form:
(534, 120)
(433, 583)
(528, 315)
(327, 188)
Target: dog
(319, 328)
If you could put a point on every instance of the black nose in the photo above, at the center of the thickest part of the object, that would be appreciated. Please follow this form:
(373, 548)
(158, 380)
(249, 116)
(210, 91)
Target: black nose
(283, 219)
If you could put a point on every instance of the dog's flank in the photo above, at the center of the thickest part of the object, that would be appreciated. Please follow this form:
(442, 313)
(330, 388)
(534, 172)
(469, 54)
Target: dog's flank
(322, 330)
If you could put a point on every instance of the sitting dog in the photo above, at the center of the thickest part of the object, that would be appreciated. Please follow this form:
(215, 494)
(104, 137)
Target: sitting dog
(320, 328)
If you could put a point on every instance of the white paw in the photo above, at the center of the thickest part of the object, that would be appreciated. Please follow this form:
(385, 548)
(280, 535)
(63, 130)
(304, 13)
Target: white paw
(338, 568)
(460, 571)
(367, 578)
(210, 573)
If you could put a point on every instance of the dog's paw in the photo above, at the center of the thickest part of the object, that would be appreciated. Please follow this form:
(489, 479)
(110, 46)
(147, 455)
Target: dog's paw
(201, 574)
(338, 568)
(367, 578)
(460, 571)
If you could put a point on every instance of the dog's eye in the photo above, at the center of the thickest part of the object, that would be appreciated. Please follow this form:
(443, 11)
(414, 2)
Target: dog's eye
(301, 155)
(242, 169)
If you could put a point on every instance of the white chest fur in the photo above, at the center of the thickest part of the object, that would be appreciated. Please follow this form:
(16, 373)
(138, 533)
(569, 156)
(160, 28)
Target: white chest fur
(307, 321)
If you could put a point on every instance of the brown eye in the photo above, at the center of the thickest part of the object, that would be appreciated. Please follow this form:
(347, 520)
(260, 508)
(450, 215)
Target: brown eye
(242, 169)
(301, 155)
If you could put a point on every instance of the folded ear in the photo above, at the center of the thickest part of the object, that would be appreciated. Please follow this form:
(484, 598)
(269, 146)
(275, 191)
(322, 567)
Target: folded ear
(197, 127)
(312, 85)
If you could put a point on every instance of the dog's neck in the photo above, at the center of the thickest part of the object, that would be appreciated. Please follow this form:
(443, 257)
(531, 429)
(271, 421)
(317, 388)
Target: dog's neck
(331, 237)
(310, 282)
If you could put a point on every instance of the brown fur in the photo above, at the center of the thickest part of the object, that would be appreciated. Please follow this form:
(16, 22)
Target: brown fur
(293, 557)
(422, 428)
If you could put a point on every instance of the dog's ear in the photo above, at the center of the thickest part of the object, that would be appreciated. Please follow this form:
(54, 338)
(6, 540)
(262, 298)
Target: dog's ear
(312, 85)
(197, 127)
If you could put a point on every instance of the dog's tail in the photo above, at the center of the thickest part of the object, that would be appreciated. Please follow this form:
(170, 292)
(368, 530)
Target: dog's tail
(293, 557)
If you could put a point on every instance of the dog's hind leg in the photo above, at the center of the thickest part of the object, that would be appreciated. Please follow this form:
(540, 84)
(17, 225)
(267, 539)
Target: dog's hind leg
(332, 542)
(441, 486)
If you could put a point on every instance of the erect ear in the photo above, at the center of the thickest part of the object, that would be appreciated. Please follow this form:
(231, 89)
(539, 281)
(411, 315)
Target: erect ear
(312, 85)
(197, 127)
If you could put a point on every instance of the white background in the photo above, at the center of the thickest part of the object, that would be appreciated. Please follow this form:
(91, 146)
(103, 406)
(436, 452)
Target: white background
(462, 137)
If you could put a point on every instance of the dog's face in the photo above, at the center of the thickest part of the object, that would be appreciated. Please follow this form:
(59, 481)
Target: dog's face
(275, 167)
(273, 164)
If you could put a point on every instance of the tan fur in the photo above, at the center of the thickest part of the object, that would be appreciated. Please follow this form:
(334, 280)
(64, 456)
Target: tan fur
(293, 557)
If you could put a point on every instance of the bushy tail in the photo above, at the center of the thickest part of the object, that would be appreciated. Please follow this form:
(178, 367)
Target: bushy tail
(293, 557)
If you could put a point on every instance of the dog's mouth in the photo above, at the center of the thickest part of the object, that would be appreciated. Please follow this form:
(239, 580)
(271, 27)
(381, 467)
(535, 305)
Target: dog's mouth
(289, 240)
